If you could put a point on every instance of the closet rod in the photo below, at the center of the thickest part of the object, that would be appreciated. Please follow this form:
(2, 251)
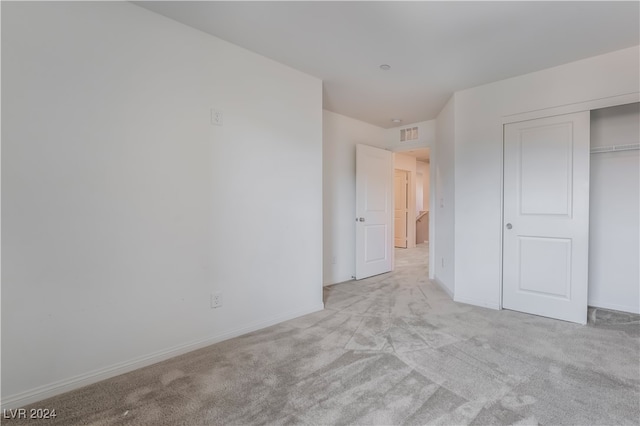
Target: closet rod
(615, 148)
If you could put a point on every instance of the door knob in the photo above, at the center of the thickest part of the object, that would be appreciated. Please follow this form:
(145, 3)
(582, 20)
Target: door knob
(361, 219)
(509, 226)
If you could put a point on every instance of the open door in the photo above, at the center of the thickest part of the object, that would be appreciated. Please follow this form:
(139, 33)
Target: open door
(374, 211)
(546, 216)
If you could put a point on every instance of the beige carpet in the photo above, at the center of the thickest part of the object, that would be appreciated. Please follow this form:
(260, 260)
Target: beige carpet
(392, 349)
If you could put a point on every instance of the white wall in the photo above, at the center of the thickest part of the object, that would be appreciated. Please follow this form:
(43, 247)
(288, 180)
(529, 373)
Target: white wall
(423, 169)
(443, 198)
(340, 136)
(614, 232)
(124, 208)
(478, 155)
(408, 164)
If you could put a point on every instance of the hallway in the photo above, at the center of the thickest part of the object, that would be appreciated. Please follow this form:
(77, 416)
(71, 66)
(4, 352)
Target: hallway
(418, 256)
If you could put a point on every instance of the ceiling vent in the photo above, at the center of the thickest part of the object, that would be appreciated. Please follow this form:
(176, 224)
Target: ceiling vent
(409, 134)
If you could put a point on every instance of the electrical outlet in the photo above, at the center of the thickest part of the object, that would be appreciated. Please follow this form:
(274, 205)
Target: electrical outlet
(216, 300)
(334, 260)
(216, 117)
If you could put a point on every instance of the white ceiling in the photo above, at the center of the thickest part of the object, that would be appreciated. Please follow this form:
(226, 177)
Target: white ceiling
(434, 48)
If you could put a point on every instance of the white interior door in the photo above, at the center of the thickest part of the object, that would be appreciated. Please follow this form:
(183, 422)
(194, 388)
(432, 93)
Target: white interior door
(374, 211)
(546, 216)
(401, 208)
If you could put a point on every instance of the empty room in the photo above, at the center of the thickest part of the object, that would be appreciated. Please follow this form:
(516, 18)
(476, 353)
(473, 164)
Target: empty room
(335, 213)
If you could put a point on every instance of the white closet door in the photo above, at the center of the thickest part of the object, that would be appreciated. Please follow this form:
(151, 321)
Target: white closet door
(546, 216)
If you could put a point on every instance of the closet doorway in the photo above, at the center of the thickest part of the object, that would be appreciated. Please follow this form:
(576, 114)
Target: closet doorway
(614, 209)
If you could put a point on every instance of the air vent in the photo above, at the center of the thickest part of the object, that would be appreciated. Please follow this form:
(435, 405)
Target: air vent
(409, 134)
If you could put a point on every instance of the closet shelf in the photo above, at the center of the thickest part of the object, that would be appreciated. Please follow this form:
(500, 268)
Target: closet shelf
(614, 148)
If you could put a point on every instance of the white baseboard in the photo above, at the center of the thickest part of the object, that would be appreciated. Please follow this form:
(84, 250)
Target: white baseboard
(443, 287)
(477, 302)
(615, 306)
(46, 391)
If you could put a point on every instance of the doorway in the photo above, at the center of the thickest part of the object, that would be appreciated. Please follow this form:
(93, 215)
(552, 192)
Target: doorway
(416, 163)
(375, 207)
(614, 209)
